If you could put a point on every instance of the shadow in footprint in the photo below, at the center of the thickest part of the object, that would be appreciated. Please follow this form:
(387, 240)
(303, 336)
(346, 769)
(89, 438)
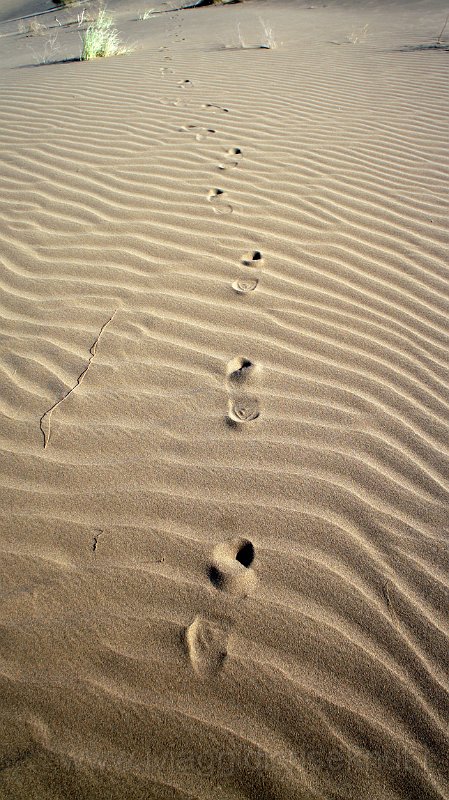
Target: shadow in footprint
(213, 108)
(214, 194)
(232, 159)
(241, 370)
(206, 644)
(252, 259)
(245, 554)
(230, 569)
(215, 197)
(186, 84)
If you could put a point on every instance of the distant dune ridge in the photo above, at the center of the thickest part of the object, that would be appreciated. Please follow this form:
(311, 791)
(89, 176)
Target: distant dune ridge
(224, 352)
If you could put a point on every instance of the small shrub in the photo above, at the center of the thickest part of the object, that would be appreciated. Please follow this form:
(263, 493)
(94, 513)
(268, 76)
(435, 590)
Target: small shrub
(50, 52)
(101, 39)
(146, 14)
(32, 28)
(267, 41)
(358, 36)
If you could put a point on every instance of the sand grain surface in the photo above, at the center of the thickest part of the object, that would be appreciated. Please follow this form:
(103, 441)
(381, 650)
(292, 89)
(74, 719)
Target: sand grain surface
(224, 440)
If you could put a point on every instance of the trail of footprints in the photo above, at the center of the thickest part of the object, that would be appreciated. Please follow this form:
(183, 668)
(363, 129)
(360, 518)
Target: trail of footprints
(232, 157)
(230, 569)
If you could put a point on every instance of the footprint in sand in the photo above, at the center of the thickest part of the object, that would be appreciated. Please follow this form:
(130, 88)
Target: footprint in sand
(230, 569)
(168, 101)
(252, 259)
(206, 644)
(200, 132)
(215, 197)
(213, 108)
(241, 370)
(166, 71)
(242, 410)
(232, 159)
(185, 84)
(245, 286)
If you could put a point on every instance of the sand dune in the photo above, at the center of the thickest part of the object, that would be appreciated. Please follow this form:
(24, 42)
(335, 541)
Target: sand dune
(224, 406)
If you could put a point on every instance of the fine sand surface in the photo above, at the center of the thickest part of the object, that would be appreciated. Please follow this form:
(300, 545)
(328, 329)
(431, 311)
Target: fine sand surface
(224, 399)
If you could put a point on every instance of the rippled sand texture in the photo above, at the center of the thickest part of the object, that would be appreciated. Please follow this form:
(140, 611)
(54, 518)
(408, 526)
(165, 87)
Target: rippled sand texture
(224, 405)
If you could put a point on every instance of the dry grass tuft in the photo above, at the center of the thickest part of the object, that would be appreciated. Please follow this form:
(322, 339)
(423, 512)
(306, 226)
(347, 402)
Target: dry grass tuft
(101, 39)
(32, 28)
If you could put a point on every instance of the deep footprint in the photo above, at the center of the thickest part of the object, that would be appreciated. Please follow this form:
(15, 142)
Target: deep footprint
(232, 157)
(213, 194)
(206, 645)
(252, 259)
(230, 569)
(215, 198)
(214, 108)
(241, 370)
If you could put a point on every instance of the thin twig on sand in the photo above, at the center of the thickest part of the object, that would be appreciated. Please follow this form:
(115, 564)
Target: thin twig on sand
(443, 29)
(47, 415)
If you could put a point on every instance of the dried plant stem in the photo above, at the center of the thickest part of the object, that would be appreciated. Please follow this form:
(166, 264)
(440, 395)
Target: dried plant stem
(443, 29)
(47, 415)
